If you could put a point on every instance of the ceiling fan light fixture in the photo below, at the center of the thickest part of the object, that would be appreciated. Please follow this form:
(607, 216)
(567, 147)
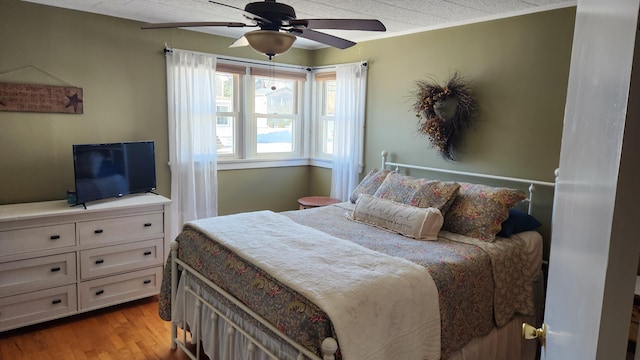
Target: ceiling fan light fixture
(270, 42)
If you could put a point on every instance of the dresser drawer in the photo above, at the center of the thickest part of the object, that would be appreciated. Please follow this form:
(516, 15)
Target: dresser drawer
(116, 229)
(37, 273)
(120, 288)
(118, 258)
(37, 238)
(33, 307)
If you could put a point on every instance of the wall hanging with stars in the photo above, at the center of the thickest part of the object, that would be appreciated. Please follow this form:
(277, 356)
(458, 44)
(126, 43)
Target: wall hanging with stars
(32, 89)
(40, 98)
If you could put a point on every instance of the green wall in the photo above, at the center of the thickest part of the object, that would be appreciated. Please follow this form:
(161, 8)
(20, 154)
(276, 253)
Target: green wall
(519, 67)
(258, 189)
(122, 72)
(519, 70)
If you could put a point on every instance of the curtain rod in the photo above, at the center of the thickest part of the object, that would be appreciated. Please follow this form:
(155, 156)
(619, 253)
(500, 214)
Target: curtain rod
(361, 62)
(264, 63)
(241, 60)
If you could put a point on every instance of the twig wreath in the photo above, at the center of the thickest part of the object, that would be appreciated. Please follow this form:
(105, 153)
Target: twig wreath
(444, 112)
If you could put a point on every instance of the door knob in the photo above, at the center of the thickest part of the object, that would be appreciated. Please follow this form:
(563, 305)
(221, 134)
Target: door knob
(530, 332)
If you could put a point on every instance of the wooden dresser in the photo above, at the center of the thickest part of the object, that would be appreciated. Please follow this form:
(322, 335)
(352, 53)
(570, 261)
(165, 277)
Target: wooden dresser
(57, 260)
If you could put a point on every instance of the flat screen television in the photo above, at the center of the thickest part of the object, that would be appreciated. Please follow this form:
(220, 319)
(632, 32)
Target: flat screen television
(113, 170)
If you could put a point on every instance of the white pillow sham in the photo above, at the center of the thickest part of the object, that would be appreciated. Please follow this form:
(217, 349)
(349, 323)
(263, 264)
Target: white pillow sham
(410, 221)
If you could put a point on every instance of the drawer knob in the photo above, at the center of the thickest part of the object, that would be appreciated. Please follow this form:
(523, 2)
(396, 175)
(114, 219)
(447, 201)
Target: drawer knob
(99, 292)
(146, 253)
(147, 224)
(147, 281)
(56, 301)
(55, 269)
(54, 237)
(99, 261)
(98, 231)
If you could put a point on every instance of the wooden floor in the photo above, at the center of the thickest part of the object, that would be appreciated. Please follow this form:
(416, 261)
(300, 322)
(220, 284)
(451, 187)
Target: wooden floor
(129, 331)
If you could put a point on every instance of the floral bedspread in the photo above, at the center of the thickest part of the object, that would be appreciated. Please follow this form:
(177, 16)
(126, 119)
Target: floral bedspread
(465, 271)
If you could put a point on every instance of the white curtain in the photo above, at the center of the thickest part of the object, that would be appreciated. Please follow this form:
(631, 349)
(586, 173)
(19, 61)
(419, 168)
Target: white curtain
(351, 91)
(191, 98)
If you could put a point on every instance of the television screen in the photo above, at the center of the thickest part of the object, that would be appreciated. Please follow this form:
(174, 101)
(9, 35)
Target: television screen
(113, 170)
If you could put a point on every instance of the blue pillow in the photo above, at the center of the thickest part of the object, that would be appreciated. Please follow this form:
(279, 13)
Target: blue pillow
(518, 221)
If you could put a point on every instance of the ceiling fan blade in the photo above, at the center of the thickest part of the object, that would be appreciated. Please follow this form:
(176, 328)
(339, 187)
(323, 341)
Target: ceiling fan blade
(339, 24)
(241, 41)
(247, 14)
(320, 37)
(193, 24)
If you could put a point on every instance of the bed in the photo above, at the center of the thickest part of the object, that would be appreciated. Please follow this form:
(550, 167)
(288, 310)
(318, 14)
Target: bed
(410, 268)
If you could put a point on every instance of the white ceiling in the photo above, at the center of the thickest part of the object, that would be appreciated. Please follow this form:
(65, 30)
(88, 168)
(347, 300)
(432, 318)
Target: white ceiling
(400, 17)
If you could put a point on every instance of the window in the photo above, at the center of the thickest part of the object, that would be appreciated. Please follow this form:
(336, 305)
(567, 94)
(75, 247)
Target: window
(325, 106)
(270, 115)
(259, 112)
(276, 114)
(227, 113)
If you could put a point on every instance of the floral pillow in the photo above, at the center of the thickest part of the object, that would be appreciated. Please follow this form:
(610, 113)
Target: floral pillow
(479, 210)
(369, 184)
(418, 192)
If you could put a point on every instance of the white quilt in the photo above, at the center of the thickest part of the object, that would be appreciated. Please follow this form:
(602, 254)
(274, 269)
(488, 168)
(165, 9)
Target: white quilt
(382, 307)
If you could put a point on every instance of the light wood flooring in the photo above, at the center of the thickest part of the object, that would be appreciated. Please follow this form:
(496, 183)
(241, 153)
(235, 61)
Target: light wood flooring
(129, 331)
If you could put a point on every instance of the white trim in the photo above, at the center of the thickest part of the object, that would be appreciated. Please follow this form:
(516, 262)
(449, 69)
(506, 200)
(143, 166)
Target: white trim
(308, 107)
(260, 163)
(321, 162)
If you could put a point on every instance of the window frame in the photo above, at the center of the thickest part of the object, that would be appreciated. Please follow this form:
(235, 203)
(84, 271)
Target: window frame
(307, 137)
(245, 155)
(318, 157)
(297, 120)
(235, 115)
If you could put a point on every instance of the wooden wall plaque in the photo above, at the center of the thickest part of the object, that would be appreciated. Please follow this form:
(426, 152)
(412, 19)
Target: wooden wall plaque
(40, 98)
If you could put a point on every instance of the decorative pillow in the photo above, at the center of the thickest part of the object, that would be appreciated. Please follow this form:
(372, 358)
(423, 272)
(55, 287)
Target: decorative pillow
(410, 221)
(369, 184)
(479, 210)
(517, 222)
(418, 192)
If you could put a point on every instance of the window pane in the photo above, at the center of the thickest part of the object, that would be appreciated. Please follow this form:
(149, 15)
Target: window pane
(224, 134)
(275, 96)
(326, 109)
(329, 98)
(224, 92)
(274, 135)
(227, 113)
(327, 136)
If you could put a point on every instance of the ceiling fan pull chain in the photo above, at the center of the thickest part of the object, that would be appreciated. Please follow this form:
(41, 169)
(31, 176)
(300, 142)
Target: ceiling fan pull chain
(273, 81)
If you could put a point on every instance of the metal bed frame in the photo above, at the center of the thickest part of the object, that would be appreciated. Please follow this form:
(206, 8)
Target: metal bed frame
(329, 345)
(531, 183)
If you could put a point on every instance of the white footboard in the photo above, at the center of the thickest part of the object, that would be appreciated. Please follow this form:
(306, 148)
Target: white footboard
(231, 329)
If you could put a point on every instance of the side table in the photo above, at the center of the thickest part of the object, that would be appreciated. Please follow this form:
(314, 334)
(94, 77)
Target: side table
(316, 201)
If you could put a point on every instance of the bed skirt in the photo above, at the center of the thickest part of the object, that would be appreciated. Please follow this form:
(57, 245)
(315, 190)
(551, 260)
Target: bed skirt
(211, 331)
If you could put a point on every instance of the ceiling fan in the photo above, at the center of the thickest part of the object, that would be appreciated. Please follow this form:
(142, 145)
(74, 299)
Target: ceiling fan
(279, 27)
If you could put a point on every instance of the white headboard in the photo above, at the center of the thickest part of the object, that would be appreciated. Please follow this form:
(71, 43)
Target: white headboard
(532, 183)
